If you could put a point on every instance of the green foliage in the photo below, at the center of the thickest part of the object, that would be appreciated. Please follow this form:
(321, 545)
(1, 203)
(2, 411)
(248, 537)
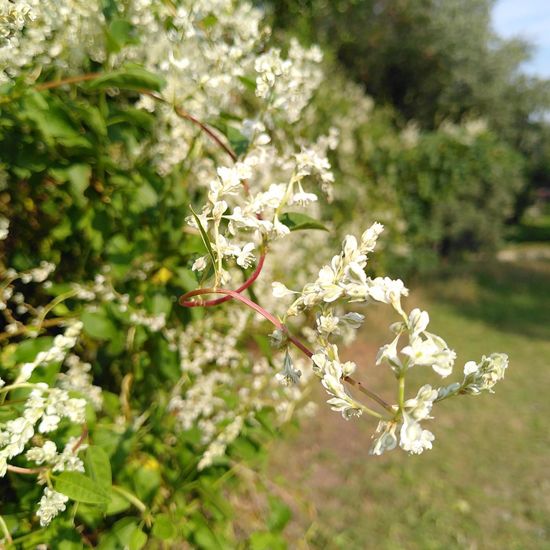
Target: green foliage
(296, 221)
(457, 191)
(84, 195)
(434, 62)
(440, 193)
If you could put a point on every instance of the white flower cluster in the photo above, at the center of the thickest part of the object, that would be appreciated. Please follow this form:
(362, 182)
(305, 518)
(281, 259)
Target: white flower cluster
(253, 221)
(46, 407)
(66, 461)
(288, 83)
(345, 281)
(50, 505)
(213, 367)
(206, 66)
(4, 228)
(218, 447)
(12, 302)
(62, 343)
(50, 33)
(78, 379)
(424, 348)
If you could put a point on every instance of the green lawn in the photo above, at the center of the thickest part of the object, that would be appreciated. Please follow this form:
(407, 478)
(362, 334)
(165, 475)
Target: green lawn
(486, 483)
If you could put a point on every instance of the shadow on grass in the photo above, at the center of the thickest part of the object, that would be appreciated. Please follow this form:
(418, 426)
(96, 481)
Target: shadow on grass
(512, 297)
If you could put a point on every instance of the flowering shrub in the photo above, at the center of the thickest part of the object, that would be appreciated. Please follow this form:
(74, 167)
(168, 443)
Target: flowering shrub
(441, 193)
(149, 149)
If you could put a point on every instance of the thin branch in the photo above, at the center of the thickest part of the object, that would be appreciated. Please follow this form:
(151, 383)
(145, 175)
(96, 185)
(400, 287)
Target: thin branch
(23, 330)
(178, 110)
(188, 116)
(81, 439)
(253, 305)
(219, 301)
(27, 471)
(355, 383)
(277, 323)
(70, 80)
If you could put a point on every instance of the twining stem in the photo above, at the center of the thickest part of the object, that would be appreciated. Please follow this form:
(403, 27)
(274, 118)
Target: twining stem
(131, 498)
(28, 471)
(54, 303)
(281, 326)
(5, 530)
(352, 382)
(188, 116)
(81, 439)
(182, 113)
(401, 395)
(70, 80)
(244, 286)
(45, 324)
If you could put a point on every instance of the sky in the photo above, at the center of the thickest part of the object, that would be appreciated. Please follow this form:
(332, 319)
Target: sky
(529, 19)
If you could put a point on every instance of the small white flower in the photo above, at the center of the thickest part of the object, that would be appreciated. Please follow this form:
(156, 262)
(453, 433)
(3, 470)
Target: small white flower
(50, 505)
(413, 438)
(245, 256)
(385, 438)
(354, 320)
(199, 264)
(289, 375)
(280, 290)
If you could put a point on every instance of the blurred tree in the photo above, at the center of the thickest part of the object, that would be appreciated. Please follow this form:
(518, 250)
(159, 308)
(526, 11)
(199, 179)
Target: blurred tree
(434, 61)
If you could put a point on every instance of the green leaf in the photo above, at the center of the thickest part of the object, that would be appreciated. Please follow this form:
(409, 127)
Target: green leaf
(27, 350)
(163, 527)
(144, 197)
(98, 467)
(81, 488)
(296, 221)
(120, 33)
(129, 78)
(137, 540)
(238, 142)
(79, 179)
(53, 121)
(267, 541)
(161, 303)
(280, 515)
(116, 505)
(98, 325)
(205, 239)
(249, 83)
(124, 530)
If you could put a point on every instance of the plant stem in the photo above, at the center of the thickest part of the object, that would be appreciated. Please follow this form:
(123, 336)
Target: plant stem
(70, 80)
(242, 288)
(131, 498)
(5, 530)
(182, 113)
(401, 395)
(281, 326)
(28, 471)
(45, 324)
(352, 382)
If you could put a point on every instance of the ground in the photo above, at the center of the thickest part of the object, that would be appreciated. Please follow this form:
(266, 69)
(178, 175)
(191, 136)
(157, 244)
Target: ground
(485, 484)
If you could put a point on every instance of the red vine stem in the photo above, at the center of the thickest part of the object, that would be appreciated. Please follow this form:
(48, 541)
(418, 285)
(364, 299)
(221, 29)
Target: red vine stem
(217, 301)
(81, 439)
(28, 471)
(178, 110)
(281, 326)
(187, 116)
(70, 80)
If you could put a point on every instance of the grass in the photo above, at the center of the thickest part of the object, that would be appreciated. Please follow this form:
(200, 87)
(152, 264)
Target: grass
(486, 483)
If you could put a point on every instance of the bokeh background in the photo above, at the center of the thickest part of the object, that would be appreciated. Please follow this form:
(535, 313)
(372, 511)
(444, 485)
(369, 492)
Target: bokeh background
(442, 108)
(427, 66)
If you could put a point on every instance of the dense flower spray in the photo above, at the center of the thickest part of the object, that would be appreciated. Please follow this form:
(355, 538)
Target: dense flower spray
(252, 195)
